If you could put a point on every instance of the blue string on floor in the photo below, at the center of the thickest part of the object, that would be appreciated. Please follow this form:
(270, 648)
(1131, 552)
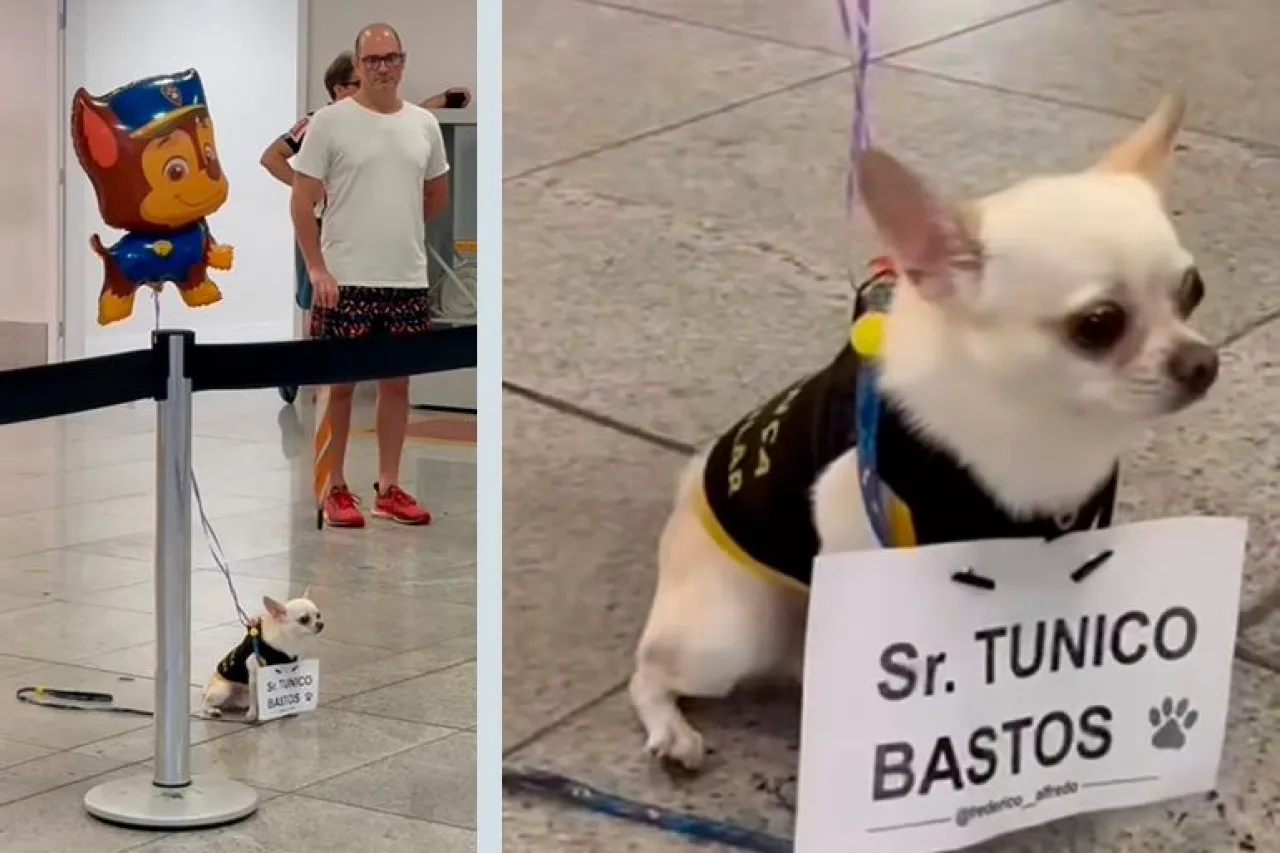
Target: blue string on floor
(694, 827)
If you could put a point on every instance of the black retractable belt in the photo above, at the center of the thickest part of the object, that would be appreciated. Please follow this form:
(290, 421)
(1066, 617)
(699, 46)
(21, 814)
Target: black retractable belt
(330, 362)
(82, 385)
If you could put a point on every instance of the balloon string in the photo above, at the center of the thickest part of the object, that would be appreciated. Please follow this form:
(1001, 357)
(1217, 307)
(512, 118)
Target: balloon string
(856, 26)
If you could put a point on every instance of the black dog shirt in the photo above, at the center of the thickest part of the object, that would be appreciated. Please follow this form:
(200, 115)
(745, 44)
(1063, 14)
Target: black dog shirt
(756, 499)
(235, 666)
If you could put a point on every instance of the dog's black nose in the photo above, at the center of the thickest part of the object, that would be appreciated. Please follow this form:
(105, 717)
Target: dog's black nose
(1194, 366)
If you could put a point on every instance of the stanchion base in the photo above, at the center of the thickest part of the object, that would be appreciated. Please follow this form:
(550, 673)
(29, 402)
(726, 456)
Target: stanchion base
(137, 802)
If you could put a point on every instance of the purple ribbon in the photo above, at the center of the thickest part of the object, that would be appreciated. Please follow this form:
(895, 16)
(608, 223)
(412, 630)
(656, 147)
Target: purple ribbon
(857, 35)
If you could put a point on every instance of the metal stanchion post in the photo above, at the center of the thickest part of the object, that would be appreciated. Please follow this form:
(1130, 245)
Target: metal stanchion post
(170, 798)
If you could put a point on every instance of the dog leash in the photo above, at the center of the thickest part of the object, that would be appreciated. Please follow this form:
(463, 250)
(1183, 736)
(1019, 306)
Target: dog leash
(105, 703)
(695, 828)
(90, 700)
(855, 24)
(76, 700)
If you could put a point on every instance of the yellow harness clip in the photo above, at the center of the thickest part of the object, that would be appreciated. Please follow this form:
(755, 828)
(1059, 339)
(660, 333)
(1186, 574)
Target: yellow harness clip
(867, 334)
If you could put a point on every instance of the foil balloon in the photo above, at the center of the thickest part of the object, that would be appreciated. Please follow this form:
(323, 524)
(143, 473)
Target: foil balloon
(148, 148)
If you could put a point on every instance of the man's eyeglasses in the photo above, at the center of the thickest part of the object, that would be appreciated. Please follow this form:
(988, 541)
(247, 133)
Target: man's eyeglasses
(384, 60)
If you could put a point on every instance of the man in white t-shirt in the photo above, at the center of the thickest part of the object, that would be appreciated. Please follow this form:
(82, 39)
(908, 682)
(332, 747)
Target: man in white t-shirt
(379, 165)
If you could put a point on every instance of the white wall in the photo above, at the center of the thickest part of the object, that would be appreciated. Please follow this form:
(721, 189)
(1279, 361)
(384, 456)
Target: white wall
(439, 37)
(247, 53)
(29, 129)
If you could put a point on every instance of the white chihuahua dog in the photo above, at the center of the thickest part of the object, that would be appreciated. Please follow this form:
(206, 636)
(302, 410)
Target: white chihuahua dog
(999, 364)
(283, 634)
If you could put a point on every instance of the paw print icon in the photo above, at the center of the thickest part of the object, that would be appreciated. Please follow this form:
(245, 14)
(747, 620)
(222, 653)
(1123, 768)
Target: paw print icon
(1170, 723)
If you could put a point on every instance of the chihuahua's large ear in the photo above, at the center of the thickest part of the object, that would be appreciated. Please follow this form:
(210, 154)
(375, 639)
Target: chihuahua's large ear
(1146, 152)
(934, 241)
(306, 593)
(275, 609)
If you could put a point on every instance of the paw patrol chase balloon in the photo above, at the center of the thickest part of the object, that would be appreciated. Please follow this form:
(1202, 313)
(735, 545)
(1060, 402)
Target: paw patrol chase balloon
(148, 148)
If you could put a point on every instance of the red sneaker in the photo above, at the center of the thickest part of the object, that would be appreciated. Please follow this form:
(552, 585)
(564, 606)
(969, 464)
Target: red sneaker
(342, 508)
(399, 506)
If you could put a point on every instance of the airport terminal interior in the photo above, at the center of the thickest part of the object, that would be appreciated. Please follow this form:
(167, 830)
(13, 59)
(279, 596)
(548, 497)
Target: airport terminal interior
(387, 760)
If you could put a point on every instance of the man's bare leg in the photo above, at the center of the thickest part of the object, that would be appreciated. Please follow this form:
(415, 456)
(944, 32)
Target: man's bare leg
(340, 399)
(392, 423)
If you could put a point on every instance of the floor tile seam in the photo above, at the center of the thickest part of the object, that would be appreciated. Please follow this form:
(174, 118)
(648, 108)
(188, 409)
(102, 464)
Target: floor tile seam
(366, 764)
(73, 783)
(52, 752)
(721, 29)
(86, 546)
(397, 683)
(667, 443)
(994, 20)
(886, 62)
(749, 239)
(149, 460)
(79, 548)
(1262, 146)
(300, 794)
(241, 729)
(1249, 654)
(659, 130)
(877, 59)
(84, 663)
(39, 663)
(1262, 607)
(1257, 324)
(161, 835)
(382, 715)
(44, 602)
(447, 565)
(76, 502)
(41, 551)
(147, 614)
(232, 732)
(569, 409)
(378, 588)
(233, 728)
(560, 720)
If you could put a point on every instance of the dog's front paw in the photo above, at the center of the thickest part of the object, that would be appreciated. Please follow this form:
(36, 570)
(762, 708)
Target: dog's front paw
(679, 743)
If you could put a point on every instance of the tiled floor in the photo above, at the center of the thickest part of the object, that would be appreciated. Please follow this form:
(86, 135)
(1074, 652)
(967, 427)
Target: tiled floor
(388, 762)
(674, 235)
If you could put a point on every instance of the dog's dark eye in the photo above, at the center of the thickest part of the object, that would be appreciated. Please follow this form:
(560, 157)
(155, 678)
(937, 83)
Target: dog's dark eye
(1099, 328)
(304, 620)
(1190, 292)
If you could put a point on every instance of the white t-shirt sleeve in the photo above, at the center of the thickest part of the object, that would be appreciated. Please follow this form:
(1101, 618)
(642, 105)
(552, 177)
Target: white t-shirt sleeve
(315, 156)
(437, 159)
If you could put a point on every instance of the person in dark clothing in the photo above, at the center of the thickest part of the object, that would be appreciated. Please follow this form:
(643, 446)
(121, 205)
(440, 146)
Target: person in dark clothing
(340, 81)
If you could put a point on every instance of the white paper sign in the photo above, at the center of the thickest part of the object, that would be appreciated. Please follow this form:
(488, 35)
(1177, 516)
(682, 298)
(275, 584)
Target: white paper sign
(938, 715)
(288, 689)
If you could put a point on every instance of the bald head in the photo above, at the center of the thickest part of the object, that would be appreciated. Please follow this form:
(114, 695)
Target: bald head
(378, 39)
(379, 58)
